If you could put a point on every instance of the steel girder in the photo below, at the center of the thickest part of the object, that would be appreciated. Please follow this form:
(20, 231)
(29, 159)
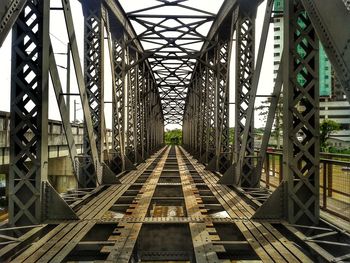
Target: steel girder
(201, 104)
(132, 93)
(29, 113)
(245, 52)
(206, 117)
(64, 112)
(140, 131)
(195, 118)
(236, 172)
(137, 116)
(301, 116)
(172, 56)
(143, 110)
(211, 124)
(222, 149)
(83, 94)
(328, 19)
(206, 127)
(31, 197)
(9, 11)
(118, 106)
(93, 75)
(131, 133)
(141, 136)
(297, 198)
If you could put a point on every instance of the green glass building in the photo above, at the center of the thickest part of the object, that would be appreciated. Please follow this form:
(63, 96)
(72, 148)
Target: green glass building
(325, 70)
(333, 104)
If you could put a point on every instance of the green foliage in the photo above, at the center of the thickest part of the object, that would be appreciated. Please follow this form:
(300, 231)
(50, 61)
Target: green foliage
(173, 137)
(263, 110)
(231, 135)
(259, 130)
(337, 150)
(327, 127)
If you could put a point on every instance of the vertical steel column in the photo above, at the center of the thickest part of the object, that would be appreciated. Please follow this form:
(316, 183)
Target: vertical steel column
(195, 109)
(197, 117)
(132, 109)
(155, 117)
(211, 107)
(297, 197)
(118, 163)
(140, 113)
(29, 113)
(159, 127)
(32, 199)
(203, 90)
(301, 116)
(93, 74)
(245, 44)
(152, 117)
(147, 108)
(222, 104)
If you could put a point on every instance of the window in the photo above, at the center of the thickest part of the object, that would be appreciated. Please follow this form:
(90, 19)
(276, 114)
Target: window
(277, 37)
(277, 29)
(277, 46)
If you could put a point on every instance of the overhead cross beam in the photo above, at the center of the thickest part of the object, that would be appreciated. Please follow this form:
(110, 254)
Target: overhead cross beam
(171, 40)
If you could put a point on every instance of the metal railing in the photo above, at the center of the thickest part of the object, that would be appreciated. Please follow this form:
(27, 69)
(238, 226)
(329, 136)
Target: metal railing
(334, 180)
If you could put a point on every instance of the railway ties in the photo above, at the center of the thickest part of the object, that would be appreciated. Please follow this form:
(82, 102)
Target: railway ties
(169, 209)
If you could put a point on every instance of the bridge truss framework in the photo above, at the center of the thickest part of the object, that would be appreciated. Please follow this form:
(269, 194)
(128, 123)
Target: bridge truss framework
(171, 83)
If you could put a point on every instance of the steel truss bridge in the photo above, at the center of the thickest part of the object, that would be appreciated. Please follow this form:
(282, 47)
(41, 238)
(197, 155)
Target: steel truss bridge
(201, 202)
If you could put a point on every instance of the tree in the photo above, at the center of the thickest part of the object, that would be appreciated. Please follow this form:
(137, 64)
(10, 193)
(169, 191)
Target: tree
(277, 125)
(327, 127)
(232, 136)
(173, 137)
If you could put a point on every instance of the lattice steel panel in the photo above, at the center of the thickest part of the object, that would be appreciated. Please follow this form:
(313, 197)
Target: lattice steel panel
(140, 111)
(29, 109)
(203, 91)
(222, 148)
(211, 109)
(245, 31)
(301, 117)
(118, 106)
(131, 132)
(93, 74)
(172, 44)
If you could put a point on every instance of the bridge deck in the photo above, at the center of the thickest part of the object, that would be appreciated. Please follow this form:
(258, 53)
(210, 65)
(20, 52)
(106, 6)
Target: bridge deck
(169, 209)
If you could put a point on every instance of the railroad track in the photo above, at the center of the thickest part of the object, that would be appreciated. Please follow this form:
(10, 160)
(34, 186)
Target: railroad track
(169, 209)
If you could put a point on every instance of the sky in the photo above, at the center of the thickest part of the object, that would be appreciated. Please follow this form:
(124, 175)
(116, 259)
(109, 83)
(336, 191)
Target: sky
(59, 41)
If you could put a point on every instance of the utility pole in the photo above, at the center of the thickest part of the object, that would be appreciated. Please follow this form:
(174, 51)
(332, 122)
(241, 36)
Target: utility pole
(75, 111)
(68, 81)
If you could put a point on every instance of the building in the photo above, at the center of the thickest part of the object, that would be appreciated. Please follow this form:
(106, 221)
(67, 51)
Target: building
(333, 103)
(337, 108)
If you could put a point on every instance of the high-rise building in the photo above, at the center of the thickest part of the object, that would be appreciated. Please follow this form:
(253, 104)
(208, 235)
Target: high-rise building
(333, 103)
(325, 68)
